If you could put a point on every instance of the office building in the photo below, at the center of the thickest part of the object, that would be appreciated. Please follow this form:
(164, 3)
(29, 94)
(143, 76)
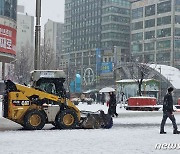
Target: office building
(155, 31)
(93, 30)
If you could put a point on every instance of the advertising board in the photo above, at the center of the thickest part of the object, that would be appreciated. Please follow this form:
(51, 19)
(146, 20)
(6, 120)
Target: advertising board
(7, 39)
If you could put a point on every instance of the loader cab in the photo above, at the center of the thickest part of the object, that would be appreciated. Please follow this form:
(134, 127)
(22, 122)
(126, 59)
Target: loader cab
(50, 81)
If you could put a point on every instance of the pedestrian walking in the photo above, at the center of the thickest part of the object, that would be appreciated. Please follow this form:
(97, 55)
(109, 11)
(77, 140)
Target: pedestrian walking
(103, 98)
(112, 104)
(168, 112)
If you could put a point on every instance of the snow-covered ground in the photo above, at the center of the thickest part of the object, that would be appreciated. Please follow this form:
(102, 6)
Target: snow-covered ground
(134, 132)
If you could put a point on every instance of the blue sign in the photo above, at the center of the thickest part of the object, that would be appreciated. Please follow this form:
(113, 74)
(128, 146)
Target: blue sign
(106, 67)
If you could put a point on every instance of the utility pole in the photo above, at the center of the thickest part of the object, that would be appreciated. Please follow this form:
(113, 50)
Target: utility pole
(37, 36)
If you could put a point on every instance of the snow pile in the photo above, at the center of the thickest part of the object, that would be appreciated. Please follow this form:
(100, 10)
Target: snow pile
(170, 73)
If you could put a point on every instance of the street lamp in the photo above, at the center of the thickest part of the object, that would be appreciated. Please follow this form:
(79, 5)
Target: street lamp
(37, 36)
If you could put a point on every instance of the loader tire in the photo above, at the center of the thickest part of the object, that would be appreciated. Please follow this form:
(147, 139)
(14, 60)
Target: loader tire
(66, 119)
(34, 120)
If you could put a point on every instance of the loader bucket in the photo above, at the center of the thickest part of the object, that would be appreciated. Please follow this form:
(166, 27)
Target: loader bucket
(96, 120)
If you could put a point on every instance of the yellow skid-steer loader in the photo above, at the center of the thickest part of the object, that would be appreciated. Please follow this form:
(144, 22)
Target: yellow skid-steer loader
(44, 101)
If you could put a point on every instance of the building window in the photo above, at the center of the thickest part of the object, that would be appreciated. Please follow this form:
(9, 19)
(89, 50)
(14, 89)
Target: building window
(149, 46)
(163, 44)
(177, 19)
(164, 7)
(8, 8)
(177, 5)
(150, 10)
(163, 32)
(150, 23)
(163, 57)
(149, 35)
(137, 36)
(136, 48)
(164, 20)
(137, 25)
(137, 13)
(177, 31)
(177, 43)
(149, 58)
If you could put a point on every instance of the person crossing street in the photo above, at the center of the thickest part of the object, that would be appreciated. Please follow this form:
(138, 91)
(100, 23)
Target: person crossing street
(168, 112)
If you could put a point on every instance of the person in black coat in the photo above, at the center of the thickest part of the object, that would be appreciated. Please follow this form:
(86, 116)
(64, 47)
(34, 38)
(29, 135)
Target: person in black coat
(112, 104)
(168, 112)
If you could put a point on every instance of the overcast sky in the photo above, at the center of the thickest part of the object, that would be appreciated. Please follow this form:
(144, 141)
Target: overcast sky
(51, 9)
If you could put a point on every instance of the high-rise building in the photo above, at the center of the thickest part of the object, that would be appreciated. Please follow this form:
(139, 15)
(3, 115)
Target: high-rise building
(8, 25)
(155, 31)
(93, 30)
(53, 41)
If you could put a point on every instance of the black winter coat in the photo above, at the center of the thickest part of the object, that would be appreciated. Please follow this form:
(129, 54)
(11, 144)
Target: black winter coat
(112, 100)
(168, 103)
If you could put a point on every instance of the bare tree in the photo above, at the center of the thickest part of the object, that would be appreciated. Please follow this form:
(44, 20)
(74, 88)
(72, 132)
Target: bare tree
(140, 74)
(48, 59)
(23, 64)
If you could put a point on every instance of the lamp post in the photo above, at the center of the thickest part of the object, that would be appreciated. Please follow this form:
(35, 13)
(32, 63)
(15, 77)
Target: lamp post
(37, 36)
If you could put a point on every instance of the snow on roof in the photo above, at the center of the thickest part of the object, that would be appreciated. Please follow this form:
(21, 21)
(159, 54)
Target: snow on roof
(131, 80)
(170, 73)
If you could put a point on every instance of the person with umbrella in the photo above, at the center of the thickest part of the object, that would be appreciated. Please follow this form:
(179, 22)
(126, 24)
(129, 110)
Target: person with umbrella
(112, 104)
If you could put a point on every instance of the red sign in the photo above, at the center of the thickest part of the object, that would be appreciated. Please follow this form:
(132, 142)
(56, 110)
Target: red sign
(7, 40)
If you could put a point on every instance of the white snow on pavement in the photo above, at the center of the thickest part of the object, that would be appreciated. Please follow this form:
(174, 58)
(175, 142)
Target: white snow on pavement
(134, 132)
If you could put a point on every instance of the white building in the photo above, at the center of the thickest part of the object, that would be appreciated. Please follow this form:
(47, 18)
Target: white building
(53, 41)
(25, 33)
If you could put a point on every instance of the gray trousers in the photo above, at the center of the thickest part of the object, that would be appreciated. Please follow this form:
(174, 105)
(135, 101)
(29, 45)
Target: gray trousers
(171, 117)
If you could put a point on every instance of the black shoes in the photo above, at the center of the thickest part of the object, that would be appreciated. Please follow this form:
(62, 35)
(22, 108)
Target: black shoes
(176, 132)
(162, 132)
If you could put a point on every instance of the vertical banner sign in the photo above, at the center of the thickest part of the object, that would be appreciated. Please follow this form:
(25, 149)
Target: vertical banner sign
(98, 64)
(7, 39)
